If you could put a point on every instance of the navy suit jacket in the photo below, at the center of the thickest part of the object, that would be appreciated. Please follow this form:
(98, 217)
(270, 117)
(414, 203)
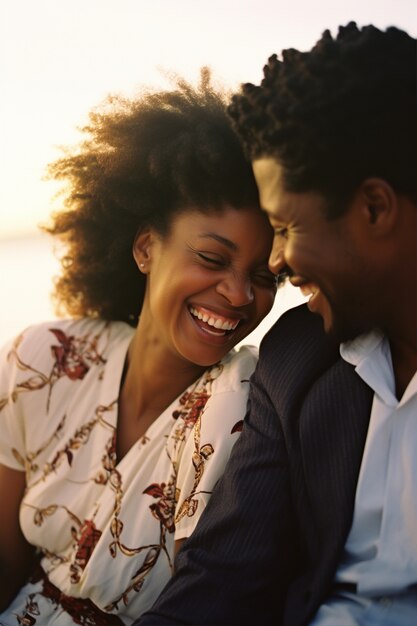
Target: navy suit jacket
(267, 547)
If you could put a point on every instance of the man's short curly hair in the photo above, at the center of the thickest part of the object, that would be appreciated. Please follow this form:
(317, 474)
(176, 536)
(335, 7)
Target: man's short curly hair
(143, 160)
(335, 115)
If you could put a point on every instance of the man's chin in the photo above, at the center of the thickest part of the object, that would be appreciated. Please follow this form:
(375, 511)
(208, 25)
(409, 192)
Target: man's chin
(343, 332)
(340, 329)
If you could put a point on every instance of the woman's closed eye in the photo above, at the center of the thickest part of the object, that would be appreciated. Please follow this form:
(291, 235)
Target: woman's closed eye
(261, 277)
(264, 278)
(215, 260)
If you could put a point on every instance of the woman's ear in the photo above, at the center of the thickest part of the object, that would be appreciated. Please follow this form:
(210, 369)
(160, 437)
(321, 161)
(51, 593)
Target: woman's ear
(142, 247)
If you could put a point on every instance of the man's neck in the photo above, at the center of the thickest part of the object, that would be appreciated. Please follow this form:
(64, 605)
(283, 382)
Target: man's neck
(404, 360)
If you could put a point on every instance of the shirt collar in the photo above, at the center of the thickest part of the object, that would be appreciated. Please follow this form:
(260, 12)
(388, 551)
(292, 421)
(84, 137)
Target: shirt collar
(370, 354)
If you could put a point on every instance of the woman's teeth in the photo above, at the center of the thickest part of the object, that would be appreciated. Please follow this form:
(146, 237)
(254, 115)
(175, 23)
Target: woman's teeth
(216, 322)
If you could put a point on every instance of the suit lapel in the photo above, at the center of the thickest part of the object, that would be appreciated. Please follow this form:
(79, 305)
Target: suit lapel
(333, 425)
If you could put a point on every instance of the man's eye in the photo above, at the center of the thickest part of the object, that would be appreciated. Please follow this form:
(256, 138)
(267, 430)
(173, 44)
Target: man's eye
(211, 259)
(281, 231)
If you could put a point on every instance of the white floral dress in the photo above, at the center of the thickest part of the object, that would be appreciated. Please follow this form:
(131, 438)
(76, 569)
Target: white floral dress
(106, 530)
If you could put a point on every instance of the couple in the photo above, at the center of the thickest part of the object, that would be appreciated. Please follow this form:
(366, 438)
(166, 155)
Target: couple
(315, 518)
(313, 521)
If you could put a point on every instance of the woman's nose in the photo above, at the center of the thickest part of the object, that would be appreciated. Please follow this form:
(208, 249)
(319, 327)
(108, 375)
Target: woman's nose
(237, 290)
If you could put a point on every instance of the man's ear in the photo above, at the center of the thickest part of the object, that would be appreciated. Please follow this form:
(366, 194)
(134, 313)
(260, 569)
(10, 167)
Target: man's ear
(380, 206)
(142, 248)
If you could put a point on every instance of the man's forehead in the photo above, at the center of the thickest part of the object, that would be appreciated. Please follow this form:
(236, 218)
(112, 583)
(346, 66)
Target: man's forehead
(269, 179)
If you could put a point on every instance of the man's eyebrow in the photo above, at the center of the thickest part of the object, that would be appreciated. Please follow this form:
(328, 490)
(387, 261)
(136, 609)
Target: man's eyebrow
(226, 242)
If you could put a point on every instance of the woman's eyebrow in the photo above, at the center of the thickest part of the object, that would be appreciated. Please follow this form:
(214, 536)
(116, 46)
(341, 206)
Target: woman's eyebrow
(226, 242)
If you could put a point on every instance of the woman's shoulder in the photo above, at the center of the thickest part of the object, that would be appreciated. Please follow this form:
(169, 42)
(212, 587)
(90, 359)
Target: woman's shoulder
(64, 336)
(236, 368)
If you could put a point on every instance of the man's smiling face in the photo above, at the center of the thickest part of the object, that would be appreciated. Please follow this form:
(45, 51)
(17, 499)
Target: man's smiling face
(324, 257)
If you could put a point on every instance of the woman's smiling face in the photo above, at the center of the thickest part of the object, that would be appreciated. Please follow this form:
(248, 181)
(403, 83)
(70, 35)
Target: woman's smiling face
(208, 281)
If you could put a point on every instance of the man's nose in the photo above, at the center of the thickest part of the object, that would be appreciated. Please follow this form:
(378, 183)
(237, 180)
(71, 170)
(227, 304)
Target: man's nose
(236, 289)
(276, 261)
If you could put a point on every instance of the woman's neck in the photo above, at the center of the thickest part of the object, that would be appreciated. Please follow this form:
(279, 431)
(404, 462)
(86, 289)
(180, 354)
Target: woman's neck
(152, 379)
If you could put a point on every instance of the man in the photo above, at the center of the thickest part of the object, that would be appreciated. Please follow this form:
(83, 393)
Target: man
(315, 519)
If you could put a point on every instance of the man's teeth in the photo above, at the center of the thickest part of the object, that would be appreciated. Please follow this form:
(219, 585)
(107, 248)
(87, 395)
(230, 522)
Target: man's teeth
(219, 323)
(308, 290)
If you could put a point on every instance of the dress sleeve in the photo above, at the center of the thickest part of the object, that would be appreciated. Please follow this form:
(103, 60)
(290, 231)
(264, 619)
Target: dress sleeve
(12, 437)
(26, 379)
(209, 446)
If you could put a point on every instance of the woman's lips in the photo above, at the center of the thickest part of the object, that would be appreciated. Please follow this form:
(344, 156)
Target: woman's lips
(212, 322)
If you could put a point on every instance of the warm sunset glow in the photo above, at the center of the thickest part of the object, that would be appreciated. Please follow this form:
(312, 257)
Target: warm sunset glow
(59, 58)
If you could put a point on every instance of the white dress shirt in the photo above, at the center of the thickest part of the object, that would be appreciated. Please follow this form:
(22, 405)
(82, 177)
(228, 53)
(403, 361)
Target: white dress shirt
(381, 549)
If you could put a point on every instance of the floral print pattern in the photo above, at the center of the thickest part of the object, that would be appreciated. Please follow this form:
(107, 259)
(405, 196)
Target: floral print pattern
(106, 530)
(71, 358)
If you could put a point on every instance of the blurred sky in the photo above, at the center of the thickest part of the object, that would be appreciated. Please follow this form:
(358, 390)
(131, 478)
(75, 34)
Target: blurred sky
(59, 58)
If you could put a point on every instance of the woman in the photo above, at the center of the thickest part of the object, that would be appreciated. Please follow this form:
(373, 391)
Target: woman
(117, 423)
